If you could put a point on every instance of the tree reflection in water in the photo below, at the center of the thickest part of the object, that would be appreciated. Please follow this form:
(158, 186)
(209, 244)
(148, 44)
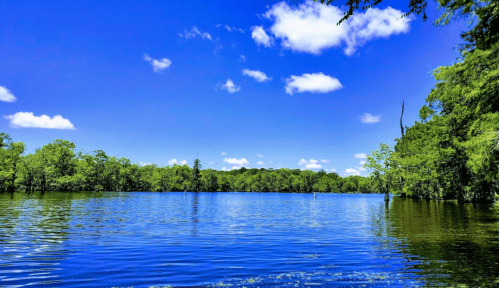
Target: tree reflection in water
(446, 242)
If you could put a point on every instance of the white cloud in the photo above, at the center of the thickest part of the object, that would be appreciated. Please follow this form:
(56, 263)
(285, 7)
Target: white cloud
(370, 119)
(261, 37)
(224, 169)
(174, 161)
(235, 167)
(360, 156)
(229, 86)
(28, 120)
(333, 170)
(316, 82)
(259, 155)
(238, 162)
(361, 168)
(195, 32)
(233, 28)
(325, 161)
(362, 162)
(312, 28)
(313, 166)
(6, 95)
(158, 65)
(223, 154)
(144, 163)
(352, 171)
(257, 75)
(242, 58)
(310, 164)
(260, 163)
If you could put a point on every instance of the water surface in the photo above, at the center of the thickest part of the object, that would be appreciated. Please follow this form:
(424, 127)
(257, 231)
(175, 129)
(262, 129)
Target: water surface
(243, 239)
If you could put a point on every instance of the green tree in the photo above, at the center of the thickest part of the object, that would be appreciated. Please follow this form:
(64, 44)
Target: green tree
(196, 176)
(380, 164)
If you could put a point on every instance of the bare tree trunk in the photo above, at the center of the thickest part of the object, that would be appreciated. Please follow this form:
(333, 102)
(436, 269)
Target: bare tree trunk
(402, 137)
(402, 126)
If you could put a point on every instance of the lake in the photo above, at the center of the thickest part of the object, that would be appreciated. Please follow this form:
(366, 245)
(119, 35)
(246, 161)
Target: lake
(116, 239)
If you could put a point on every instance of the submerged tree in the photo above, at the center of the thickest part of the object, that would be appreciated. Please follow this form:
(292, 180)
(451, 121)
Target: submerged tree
(380, 164)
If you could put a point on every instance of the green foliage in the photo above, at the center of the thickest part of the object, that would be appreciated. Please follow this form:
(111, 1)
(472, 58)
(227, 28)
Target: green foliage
(10, 157)
(196, 176)
(57, 167)
(452, 153)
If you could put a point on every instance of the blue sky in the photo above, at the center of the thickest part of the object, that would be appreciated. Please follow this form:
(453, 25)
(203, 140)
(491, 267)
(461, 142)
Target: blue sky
(267, 84)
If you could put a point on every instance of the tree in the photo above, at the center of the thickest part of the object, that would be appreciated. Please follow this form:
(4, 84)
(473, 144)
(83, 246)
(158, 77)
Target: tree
(196, 176)
(379, 163)
(10, 156)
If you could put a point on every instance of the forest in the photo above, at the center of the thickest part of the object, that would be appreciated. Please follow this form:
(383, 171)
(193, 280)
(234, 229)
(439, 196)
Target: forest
(452, 152)
(57, 166)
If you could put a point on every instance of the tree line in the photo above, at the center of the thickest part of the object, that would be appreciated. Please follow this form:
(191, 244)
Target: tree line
(57, 166)
(452, 152)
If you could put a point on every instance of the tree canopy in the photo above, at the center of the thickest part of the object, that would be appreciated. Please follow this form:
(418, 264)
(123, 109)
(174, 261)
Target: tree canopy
(452, 152)
(57, 166)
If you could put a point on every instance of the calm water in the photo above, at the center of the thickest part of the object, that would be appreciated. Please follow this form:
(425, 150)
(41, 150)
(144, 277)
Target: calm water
(243, 239)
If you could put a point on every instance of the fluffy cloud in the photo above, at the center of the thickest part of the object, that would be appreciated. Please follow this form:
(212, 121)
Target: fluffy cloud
(312, 28)
(229, 86)
(325, 161)
(310, 164)
(6, 95)
(174, 161)
(257, 75)
(316, 82)
(260, 163)
(144, 163)
(28, 120)
(194, 33)
(223, 154)
(313, 166)
(158, 65)
(239, 162)
(261, 37)
(360, 156)
(362, 162)
(352, 171)
(370, 119)
(259, 155)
